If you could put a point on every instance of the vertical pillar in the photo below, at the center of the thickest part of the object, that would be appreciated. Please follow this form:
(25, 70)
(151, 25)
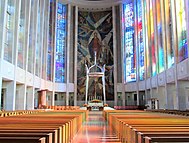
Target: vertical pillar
(42, 98)
(20, 97)
(10, 95)
(75, 55)
(87, 83)
(30, 98)
(161, 96)
(103, 83)
(68, 53)
(115, 53)
(182, 94)
(54, 21)
(52, 98)
(123, 85)
(175, 46)
(171, 92)
(137, 54)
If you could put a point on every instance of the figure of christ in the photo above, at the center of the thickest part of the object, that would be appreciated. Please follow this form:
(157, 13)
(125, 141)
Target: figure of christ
(95, 46)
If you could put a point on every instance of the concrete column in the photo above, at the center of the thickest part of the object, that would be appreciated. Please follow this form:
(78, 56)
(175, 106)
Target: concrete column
(115, 53)
(187, 97)
(10, 95)
(68, 53)
(182, 94)
(123, 84)
(54, 62)
(20, 97)
(171, 93)
(42, 98)
(52, 98)
(175, 46)
(75, 55)
(30, 98)
(161, 96)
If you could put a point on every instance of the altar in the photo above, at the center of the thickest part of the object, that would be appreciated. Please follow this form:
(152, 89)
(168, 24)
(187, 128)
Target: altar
(95, 106)
(95, 71)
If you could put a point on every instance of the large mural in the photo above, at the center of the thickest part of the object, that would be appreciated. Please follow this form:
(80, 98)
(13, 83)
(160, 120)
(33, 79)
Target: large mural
(95, 35)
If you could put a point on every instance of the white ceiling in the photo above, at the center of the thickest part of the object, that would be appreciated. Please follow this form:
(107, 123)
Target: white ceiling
(94, 5)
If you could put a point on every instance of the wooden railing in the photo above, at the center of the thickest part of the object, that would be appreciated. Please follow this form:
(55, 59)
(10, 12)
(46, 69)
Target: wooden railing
(130, 107)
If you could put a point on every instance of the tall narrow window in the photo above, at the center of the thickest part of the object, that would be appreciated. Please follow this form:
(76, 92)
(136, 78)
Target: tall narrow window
(161, 63)
(181, 30)
(50, 41)
(169, 43)
(146, 39)
(38, 40)
(129, 49)
(31, 39)
(60, 43)
(152, 42)
(45, 41)
(21, 48)
(140, 41)
(2, 2)
(9, 32)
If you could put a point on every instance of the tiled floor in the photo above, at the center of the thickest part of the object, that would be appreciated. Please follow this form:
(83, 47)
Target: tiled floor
(95, 130)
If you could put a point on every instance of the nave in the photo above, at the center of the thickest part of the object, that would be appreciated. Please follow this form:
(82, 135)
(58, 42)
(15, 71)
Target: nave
(73, 125)
(96, 130)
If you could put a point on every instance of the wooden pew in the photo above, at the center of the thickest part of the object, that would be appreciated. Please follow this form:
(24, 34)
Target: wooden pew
(127, 125)
(62, 127)
(140, 137)
(22, 140)
(53, 134)
(178, 139)
(47, 136)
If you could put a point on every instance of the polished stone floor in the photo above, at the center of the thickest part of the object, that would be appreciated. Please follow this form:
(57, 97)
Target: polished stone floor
(95, 130)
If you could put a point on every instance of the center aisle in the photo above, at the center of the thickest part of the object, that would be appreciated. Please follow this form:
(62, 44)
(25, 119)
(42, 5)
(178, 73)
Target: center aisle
(95, 130)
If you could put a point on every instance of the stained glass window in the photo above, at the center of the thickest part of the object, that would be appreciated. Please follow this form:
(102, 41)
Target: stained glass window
(146, 39)
(45, 41)
(140, 41)
(152, 38)
(170, 51)
(181, 30)
(21, 49)
(38, 40)
(50, 41)
(31, 39)
(2, 2)
(60, 43)
(129, 50)
(161, 63)
(9, 32)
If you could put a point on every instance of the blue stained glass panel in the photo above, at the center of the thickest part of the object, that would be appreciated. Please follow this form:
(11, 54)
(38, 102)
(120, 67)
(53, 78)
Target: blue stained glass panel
(140, 40)
(128, 43)
(60, 43)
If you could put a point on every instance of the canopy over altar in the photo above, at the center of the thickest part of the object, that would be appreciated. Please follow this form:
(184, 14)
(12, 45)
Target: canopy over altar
(99, 72)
